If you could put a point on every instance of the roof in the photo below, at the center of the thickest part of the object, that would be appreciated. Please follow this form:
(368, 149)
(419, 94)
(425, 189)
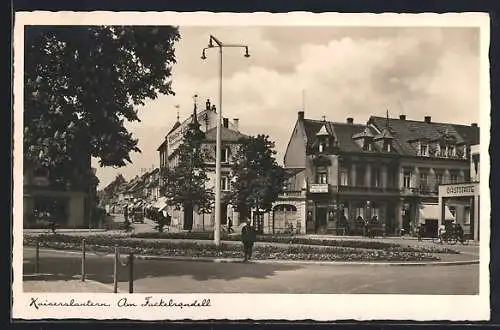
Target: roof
(343, 133)
(405, 131)
(177, 124)
(227, 135)
(292, 171)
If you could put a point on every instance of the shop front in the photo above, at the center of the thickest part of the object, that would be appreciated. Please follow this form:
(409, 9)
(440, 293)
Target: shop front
(347, 215)
(463, 201)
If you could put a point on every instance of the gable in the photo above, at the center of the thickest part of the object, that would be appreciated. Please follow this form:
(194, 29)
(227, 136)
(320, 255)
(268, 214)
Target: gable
(295, 154)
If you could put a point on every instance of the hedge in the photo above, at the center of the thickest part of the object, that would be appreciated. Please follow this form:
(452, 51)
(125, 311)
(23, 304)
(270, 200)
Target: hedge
(349, 243)
(104, 243)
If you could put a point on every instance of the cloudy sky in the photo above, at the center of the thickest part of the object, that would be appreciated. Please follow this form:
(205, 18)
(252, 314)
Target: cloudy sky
(345, 72)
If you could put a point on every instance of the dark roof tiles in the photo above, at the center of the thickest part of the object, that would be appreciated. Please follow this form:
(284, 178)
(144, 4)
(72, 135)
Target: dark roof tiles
(402, 133)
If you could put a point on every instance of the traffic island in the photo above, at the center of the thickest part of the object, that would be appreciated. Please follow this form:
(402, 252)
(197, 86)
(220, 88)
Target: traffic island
(383, 252)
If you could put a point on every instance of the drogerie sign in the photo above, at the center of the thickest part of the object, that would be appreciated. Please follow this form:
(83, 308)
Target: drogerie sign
(459, 190)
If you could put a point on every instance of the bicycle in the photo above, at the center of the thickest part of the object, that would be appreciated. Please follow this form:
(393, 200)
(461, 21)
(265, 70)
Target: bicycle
(451, 239)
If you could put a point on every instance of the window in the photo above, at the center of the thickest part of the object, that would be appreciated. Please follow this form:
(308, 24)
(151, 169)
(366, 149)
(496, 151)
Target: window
(467, 215)
(407, 179)
(423, 181)
(344, 177)
(321, 175)
(376, 177)
(367, 145)
(225, 155)
(321, 147)
(424, 150)
(360, 212)
(387, 147)
(453, 178)
(443, 151)
(439, 178)
(321, 178)
(452, 151)
(225, 184)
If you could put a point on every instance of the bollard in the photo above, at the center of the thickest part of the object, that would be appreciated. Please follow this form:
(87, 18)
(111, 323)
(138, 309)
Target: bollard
(131, 273)
(37, 256)
(115, 275)
(83, 260)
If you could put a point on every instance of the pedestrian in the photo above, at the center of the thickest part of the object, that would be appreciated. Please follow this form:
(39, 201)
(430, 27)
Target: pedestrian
(125, 215)
(460, 232)
(230, 225)
(248, 239)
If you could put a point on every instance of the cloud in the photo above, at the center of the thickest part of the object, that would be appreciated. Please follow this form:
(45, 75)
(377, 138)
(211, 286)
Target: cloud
(345, 72)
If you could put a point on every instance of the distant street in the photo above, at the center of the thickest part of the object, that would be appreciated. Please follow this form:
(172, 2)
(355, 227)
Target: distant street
(159, 276)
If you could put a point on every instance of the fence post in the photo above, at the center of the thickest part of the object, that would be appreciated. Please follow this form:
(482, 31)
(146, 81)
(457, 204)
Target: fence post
(37, 256)
(115, 274)
(83, 260)
(131, 273)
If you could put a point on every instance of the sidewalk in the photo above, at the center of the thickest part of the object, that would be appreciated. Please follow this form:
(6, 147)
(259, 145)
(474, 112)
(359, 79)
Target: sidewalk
(62, 286)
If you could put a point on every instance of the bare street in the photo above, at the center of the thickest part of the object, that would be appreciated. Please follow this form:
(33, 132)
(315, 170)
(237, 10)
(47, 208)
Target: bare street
(160, 276)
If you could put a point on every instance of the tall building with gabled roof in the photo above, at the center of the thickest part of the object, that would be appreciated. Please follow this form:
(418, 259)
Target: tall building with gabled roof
(230, 135)
(388, 169)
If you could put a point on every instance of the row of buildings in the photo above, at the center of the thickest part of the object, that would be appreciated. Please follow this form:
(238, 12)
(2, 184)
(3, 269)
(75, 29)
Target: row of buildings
(343, 172)
(405, 172)
(391, 168)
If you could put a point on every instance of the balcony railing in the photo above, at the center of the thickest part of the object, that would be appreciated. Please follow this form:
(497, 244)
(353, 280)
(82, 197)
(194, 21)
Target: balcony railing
(291, 194)
(373, 190)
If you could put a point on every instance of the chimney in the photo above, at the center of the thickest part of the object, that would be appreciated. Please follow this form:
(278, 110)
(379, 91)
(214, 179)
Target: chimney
(402, 117)
(474, 124)
(301, 115)
(427, 119)
(225, 122)
(350, 120)
(207, 107)
(214, 109)
(236, 123)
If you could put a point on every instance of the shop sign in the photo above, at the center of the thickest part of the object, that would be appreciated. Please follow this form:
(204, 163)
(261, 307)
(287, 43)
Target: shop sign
(458, 190)
(318, 188)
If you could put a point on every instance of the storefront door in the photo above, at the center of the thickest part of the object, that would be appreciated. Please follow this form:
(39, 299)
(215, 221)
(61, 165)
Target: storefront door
(321, 219)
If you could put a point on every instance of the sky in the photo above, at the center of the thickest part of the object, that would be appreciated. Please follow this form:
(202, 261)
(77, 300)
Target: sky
(336, 72)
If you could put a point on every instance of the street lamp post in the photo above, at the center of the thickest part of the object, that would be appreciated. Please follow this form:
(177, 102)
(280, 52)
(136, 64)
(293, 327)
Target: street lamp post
(218, 151)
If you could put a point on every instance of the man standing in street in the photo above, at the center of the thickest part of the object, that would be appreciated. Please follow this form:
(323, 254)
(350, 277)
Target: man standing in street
(248, 238)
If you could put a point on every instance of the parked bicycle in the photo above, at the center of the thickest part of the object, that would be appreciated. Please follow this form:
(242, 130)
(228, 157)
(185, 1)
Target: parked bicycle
(451, 237)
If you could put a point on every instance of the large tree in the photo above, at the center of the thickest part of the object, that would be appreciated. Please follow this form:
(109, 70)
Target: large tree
(186, 183)
(257, 177)
(82, 83)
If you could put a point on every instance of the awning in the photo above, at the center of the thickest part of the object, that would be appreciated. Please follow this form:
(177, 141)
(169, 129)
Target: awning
(161, 203)
(431, 212)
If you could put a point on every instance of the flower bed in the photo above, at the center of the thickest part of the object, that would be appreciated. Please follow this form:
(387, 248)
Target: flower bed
(104, 243)
(347, 243)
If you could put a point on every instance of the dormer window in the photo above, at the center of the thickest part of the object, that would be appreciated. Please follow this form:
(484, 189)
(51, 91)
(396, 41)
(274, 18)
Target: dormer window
(424, 150)
(387, 146)
(452, 152)
(321, 147)
(367, 146)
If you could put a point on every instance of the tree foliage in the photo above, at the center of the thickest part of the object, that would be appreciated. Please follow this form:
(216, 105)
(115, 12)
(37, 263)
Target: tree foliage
(82, 83)
(258, 179)
(186, 183)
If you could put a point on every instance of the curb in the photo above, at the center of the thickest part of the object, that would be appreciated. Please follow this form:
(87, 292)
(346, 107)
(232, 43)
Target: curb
(312, 262)
(292, 262)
